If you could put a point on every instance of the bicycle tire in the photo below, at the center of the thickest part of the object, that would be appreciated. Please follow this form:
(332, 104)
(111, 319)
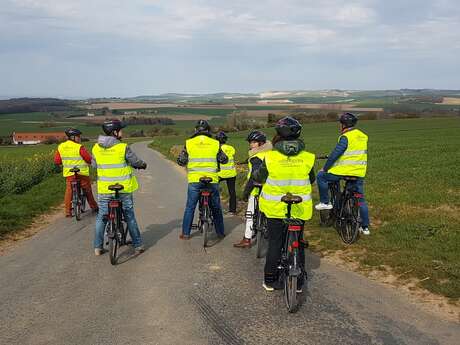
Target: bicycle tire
(262, 238)
(113, 243)
(76, 208)
(290, 293)
(205, 229)
(349, 230)
(83, 200)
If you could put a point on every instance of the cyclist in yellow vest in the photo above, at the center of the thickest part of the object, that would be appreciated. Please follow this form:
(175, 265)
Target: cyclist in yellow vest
(288, 168)
(115, 161)
(258, 147)
(349, 158)
(69, 154)
(227, 171)
(202, 155)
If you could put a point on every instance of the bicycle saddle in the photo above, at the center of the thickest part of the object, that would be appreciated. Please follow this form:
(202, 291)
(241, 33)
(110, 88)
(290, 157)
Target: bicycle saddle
(75, 170)
(205, 180)
(349, 178)
(291, 199)
(116, 187)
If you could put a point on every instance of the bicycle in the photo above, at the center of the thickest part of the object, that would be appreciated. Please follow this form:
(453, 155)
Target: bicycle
(115, 229)
(205, 220)
(290, 267)
(259, 226)
(78, 195)
(344, 215)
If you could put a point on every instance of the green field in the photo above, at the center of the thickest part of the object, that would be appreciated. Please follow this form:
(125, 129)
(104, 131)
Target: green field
(413, 193)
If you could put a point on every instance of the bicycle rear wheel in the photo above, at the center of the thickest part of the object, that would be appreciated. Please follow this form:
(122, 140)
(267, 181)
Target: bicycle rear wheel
(83, 200)
(262, 236)
(205, 226)
(76, 206)
(113, 242)
(349, 229)
(290, 292)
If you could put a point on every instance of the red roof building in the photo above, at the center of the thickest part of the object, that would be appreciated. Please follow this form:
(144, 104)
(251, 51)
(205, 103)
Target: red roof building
(22, 138)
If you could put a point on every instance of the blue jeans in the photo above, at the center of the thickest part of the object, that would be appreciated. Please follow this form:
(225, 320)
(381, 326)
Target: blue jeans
(128, 211)
(323, 179)
(193, 196)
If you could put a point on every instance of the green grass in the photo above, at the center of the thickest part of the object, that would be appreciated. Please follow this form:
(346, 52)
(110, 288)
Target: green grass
(413, 191)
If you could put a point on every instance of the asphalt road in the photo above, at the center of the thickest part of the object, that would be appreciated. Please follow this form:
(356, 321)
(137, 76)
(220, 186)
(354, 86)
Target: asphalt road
(53, 290)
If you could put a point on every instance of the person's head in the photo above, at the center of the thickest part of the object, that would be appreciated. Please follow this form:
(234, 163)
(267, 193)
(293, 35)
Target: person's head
(256, 138)
(113, 128)
(73, 134)
(202, 126)
(288, 128)
(221, 137)
(347, 120)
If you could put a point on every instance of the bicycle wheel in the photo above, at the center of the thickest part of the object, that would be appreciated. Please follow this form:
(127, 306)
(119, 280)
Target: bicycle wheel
(76, 206)
(113, 236)
(82, 200)
(349, 229)
(205, 226)
(262, 236)
(290, 292)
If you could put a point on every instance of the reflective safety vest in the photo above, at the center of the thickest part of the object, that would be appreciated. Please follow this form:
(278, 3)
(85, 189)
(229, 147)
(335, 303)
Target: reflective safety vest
(287, 174)
(353, 162)
(112, 168)
(70, 155)
(202, 158)
(261, 156)
(228, 170)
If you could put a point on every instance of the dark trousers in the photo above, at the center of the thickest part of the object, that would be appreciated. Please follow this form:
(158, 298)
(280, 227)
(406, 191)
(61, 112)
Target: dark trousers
(276, 230)
(231, 192)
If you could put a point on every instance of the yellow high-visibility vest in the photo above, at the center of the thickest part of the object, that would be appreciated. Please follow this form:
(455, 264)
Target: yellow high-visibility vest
(70, 155)
(353, 162)
(202, 158)
(287, 174)
(112, 168)
(228, 170)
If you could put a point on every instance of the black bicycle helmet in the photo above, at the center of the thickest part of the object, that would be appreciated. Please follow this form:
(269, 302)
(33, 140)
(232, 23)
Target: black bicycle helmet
(288, 128)
(257, 136)
(202, 126)
(112, 125)
(72, 132)
(222, 137)
(348, 120)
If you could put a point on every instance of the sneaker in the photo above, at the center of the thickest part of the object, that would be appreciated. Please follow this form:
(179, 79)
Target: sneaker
(98, 251)
(321, 206)
(268, 287)
(139, 250)
(364, 230)
(184, 237)
(244, 243)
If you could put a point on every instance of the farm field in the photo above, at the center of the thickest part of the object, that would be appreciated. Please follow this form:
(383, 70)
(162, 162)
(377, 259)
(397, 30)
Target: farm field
(413, 192)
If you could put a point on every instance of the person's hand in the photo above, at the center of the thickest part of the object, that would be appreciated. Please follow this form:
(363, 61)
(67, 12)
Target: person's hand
(143, 166)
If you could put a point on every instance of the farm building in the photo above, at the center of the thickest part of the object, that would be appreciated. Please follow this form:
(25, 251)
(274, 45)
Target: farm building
(274, 101)
(36, 138)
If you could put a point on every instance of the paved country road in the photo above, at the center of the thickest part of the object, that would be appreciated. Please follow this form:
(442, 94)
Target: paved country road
(53, 290)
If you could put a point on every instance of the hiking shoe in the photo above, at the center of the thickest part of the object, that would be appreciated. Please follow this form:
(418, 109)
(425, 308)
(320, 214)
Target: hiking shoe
(268, 287)
(98, 251)
(364, 230)
(321, 206)
(244, 243)
(139, 250)
(184, 237)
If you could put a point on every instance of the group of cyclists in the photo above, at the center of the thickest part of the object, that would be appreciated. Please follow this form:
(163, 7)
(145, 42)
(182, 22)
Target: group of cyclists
(278, 167)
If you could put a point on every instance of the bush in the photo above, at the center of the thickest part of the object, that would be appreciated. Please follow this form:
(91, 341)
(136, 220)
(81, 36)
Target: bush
(137, 134)
(51, 140)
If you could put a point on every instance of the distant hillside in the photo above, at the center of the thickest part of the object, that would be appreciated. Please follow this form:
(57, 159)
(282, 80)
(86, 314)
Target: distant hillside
(28, 105)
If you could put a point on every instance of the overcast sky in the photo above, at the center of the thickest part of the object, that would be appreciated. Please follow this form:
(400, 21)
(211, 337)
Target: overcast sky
(89, 48)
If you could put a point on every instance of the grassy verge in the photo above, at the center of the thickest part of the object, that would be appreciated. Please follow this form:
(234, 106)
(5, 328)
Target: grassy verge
(18, 211)
(413, 193)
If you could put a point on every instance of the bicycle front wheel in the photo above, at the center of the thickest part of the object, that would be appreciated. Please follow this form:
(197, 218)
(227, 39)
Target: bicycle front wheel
(349, 229)
(262, 236)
